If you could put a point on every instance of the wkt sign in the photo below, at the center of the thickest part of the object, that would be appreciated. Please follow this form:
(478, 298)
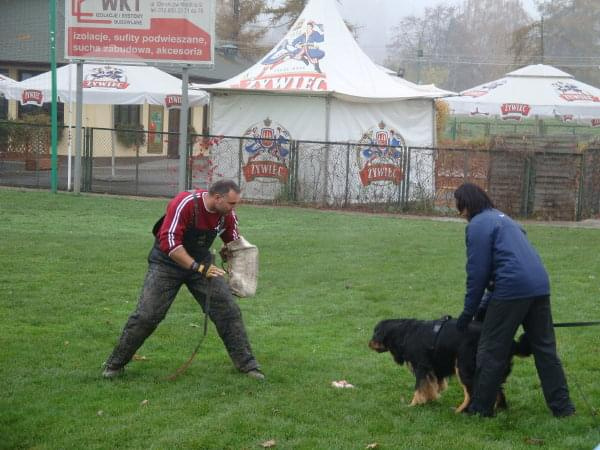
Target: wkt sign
(170, 31)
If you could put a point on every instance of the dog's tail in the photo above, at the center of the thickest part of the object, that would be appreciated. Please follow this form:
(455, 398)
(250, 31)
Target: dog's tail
(522, 346)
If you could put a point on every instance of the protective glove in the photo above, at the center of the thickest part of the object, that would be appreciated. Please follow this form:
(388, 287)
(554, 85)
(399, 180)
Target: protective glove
(206, 268)
(463, 321)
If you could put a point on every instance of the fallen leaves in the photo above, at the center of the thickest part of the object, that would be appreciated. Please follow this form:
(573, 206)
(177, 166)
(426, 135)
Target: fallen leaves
(269, 444)
(534, 441)
(373, 445)
(137, 357)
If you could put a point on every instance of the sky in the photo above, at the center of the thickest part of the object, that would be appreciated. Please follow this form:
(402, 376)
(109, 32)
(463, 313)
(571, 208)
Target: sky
(377, 20)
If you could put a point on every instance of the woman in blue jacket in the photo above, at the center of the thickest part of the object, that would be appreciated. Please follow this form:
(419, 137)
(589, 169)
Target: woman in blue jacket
(499, 252)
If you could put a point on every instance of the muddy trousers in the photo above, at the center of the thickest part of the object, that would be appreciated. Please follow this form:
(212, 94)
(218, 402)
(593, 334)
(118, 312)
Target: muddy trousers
(161, 285)
(493, 353)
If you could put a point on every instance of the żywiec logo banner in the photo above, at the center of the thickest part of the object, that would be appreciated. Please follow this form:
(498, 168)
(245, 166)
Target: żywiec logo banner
(170, 31)
(379, 156)
(266, 152)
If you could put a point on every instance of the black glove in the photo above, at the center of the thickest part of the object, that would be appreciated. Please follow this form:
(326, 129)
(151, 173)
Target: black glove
(463, 321)
(480, 314)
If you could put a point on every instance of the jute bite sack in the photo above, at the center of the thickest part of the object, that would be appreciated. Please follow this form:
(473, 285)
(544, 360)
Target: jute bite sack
(242, 266)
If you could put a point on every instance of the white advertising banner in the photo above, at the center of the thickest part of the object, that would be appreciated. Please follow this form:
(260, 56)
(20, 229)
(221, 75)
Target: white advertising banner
(166, 31)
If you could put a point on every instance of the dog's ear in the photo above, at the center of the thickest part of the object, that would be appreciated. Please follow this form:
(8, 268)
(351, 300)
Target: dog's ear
(380, 331)
(376, 343)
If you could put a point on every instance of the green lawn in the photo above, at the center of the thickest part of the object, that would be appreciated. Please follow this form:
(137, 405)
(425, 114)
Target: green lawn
(463, 127)
(72, 267)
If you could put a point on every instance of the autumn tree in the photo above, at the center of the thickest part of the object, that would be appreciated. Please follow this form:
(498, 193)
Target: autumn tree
(566, 36)
(241, 23)
(286, 12)
(458, 46)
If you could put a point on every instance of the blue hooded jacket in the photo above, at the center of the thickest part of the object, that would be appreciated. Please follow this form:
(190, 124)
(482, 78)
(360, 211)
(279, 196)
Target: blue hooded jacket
(498, 250)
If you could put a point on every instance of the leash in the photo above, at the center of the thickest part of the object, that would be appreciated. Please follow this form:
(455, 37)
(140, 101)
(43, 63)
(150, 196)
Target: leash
(187, 364)
(576, 324)
(593, 411)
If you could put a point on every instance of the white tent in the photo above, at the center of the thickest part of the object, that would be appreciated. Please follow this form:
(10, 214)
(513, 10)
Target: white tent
(7, 85)
(106, 84)
(536, 90)
(316, 84)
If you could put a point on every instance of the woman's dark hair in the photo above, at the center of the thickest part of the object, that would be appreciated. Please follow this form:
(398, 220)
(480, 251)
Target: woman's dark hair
(222, 187)
(471, 197)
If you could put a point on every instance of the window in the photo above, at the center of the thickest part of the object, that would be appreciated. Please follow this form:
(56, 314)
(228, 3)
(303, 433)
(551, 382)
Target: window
(33, 109)
(126, 115)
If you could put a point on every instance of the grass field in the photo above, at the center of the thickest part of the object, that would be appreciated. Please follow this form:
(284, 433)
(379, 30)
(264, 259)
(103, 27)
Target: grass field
(72, 267)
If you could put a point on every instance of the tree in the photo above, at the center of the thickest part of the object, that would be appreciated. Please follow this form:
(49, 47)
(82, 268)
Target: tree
(288, 12)
(470, 42)
(566, 36)
(239, 24)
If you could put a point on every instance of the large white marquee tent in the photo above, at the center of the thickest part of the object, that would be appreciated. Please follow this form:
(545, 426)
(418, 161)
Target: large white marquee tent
(316, 84)
(532, 91)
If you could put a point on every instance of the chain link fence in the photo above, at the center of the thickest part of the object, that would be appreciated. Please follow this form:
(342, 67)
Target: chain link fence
(546, 178)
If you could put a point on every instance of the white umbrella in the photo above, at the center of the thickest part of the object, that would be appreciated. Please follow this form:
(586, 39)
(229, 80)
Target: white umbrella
(107, 84)
(536, 90)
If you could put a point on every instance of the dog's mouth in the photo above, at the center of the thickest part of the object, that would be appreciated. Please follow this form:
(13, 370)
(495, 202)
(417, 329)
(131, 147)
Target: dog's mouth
(379, 347)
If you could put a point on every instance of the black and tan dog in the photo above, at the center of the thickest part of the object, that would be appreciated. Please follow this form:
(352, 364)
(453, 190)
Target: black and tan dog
(434, 351)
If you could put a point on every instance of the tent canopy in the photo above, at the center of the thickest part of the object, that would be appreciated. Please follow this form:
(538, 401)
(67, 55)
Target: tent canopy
(536, 90)
(5, 84)
(318, 57)
(107, 84)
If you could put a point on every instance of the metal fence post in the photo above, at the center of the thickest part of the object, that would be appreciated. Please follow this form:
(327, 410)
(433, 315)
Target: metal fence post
(240, 161)
(581, 187)
(137, 168)
(88, 153)
(407, 178)
(347, 174)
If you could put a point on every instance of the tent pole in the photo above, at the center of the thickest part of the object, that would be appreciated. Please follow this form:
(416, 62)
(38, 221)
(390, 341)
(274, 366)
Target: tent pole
(78, 120)
(183, 121)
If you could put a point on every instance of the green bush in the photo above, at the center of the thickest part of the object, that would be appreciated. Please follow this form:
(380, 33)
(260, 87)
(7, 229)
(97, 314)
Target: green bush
(131, 134)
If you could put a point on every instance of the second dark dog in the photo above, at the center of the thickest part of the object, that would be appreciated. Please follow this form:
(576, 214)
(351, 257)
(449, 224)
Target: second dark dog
(434, 351)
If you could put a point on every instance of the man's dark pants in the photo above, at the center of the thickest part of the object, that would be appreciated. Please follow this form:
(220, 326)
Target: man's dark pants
(163, 281)
(493, 354)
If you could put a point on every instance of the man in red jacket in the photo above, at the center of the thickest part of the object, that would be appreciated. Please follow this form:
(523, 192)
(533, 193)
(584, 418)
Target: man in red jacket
(181, 256)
